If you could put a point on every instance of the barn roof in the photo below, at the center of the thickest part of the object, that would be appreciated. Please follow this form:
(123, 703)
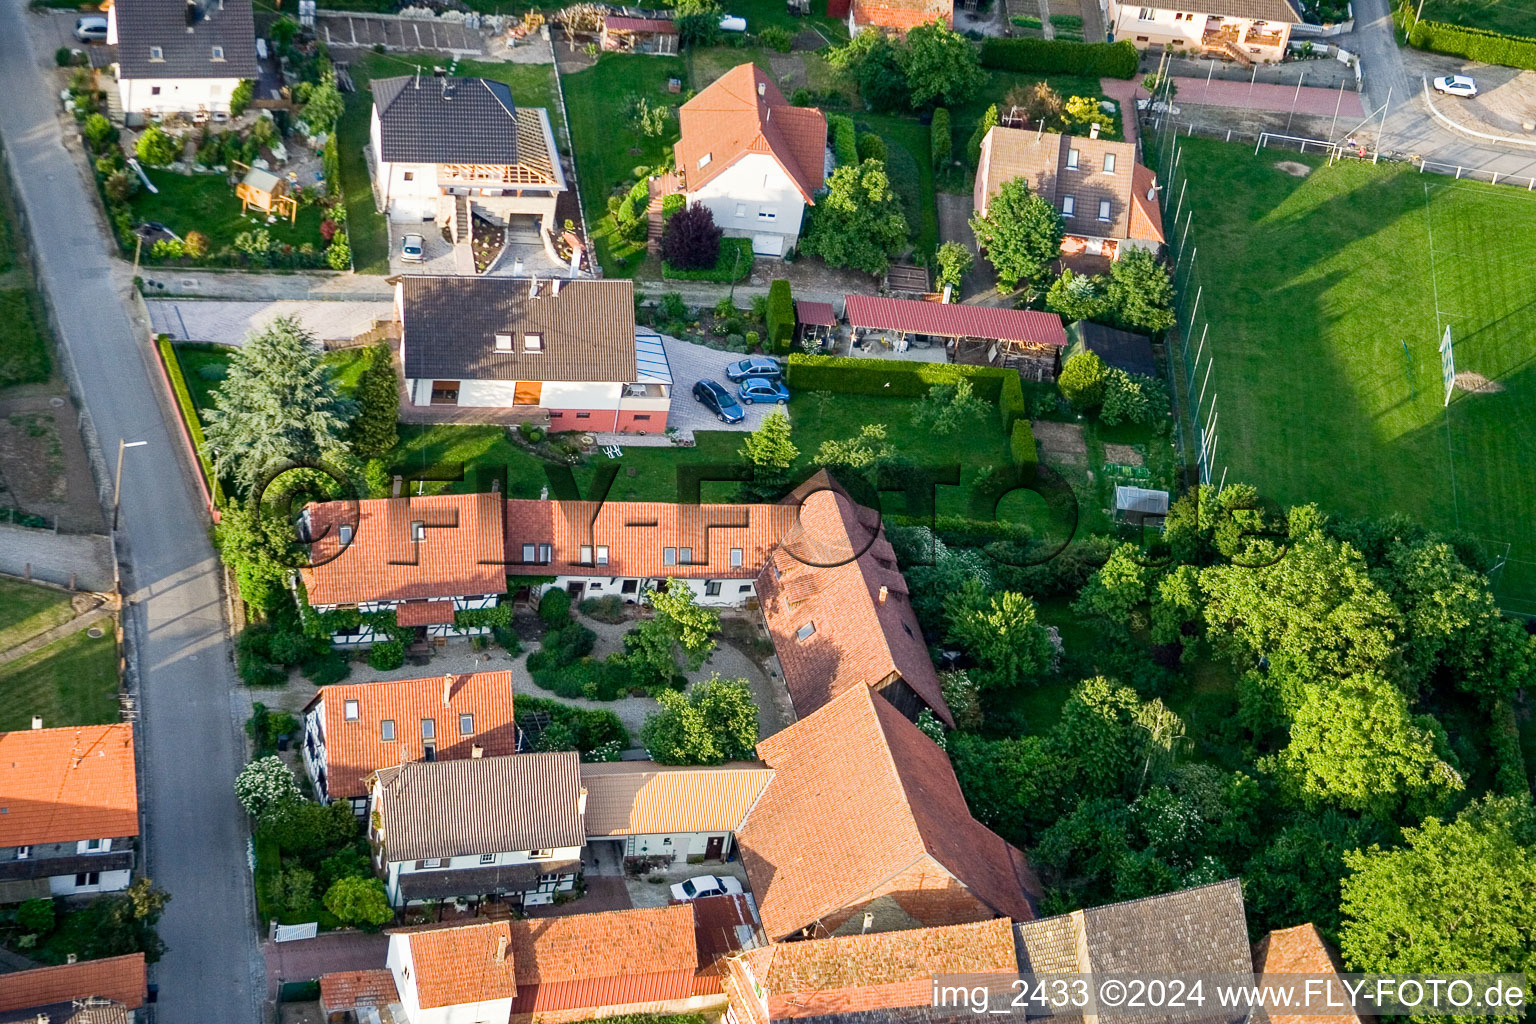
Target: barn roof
(949, 320)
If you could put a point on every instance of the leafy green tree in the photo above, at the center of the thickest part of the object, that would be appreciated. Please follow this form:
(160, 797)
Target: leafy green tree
(954, 261)
(124, 923)
(1081, 110)
(1295, 876)
(715, 721)
(359, 901)
(1132, 398)
(1356, 746)
(1001, 632)
(259, 547)
(1099, 736)
(872, 61)
(265, 784)
(989, 120)
(303, 826)
(156, 148)
(1315, 611)
(324, 104)
(98, 132)
(1457, 896)
(1083, 380)
(948, 407)
(1176, 606)
(859, 223)
(375, 430)
(1140, 291)
(240, 96)
(869, 448)
(35, 917)
(277, 403)
(1118, 591)
(651, 648)
(1078, 296)
(1015, 786)
(697, 22)
(771, 451)
(1021, 234)
(941, 66)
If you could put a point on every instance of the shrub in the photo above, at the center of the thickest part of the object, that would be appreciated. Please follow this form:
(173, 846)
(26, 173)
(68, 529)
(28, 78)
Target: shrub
(156, 148)
(845, 146)
(387, 655)
(776, 37)
(593, 728)
(941, 139)
(265, 784)
(339, 255)
(99, 132)
(733, 263)
(672, 204)
(780, 315)
(801, 97)
(1474, 44)
(35, 917)
(120, 186)
(1021, 446)
(359, 901)
(196, 245)
(691, 239)
(240, 97)
(671, 307)
(63, 56)
(870, 147)
(555, 608)
(1060, 57)
(609, 608)
(1083, 380)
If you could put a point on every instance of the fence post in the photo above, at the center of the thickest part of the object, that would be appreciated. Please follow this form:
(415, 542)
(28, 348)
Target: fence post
(1458, 172)
(1495, 180)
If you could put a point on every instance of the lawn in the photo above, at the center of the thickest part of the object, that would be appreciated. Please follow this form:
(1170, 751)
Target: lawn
(533, 85)
(24, 343)
(72, 681)
(909, 162)
(1325, 349)
(27, 610)
(1511, 17)
(207, 203)
(608, 149)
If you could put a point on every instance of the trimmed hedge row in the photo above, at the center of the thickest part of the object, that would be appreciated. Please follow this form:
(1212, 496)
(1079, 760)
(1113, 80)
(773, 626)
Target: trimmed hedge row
(844, 139)
(1474, 44)
(188, 411)
(1021, 445)
(1060, 57)
(733, 264)
(852, 376)
(781, 316)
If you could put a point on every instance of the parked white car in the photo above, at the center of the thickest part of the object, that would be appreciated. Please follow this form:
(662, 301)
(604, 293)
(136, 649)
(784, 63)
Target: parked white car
(706, 885)
(91, 29)
(1456, 85)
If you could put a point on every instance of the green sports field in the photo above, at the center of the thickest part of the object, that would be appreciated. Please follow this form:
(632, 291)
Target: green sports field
(1326, 296)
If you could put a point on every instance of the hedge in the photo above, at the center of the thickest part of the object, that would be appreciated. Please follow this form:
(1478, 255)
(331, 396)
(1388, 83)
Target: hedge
(1060, 57)
(845, 146)
(781, 316)
(942, 143)
(483, 618)
(1474, 44)
(899, 379)
(188, 411)
(733, 264)
(1021, 445)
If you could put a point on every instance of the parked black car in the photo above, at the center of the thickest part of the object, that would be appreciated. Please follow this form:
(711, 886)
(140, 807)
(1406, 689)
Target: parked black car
(719, 401)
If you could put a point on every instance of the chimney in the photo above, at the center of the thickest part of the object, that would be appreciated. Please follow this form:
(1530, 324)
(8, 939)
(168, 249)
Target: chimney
(501, 948)
(1093, 130)
(191, 14)
(71, 958)
(869, 921)
(477, 751)
(948, 291)
(418, 76)
(581, 801)
(447, 687)
(884, 591)
(554, 287)
(762, 88)
(37, 721)
(533, 287)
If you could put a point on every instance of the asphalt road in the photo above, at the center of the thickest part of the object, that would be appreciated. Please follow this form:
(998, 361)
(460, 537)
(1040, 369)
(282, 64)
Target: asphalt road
(1394, 77)
(196, 846)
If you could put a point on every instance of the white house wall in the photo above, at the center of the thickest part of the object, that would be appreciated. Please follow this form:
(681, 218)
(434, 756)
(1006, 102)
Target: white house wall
(754, 185)
(402, 965)
(176, 95)
(680, 845)
(733, 592)
(107, 881)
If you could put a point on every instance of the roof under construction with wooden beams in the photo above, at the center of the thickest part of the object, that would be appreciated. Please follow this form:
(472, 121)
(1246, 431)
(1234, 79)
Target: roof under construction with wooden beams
(950, 320)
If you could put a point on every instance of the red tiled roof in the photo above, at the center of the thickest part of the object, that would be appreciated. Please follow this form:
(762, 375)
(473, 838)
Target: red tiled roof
(618, 23)
(64, 785)
(1301, 950)
(742, 112)
(472, 963)
(1146, 216)
(614, 944)
(885, 801)
(836, 573)
(356, 749)
(346, 990)
(637, 535)
(953, 320)
(120, 977)
(902, 15)
(822, 314)
(879, 971)
(424, 613)
(461, 555)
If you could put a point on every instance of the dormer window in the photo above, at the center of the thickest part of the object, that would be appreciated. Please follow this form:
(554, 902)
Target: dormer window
(704, 160)
(503, 343)
(218, 53)
(155, 53)
(602, 554)
(418, 532)
(533, 342)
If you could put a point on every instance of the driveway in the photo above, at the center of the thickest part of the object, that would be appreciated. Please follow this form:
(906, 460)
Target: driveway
(228, 323)
(194, 832)
(524, 255)
(690, 363)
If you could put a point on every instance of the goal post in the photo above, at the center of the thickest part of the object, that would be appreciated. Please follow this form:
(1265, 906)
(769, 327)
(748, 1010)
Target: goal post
(1447, 364)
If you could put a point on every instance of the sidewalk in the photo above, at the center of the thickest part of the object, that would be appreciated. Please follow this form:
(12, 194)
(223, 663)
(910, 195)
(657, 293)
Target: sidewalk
(177, 282)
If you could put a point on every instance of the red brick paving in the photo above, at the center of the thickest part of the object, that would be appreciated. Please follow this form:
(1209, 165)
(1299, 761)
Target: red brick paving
(1276, 98)
(604, 892)
(307, 959)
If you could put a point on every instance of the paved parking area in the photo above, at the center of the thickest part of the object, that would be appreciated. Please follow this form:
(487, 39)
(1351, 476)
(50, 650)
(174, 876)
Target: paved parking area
(690, 363)
(645, 893)
(441, 257)
(227, 323)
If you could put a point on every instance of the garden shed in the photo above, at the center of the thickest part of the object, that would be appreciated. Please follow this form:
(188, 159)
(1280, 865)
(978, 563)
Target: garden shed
(268, 193)
(639, 35)
(1139, 505)
(1123, 350)
(816, 323)
(984, 335)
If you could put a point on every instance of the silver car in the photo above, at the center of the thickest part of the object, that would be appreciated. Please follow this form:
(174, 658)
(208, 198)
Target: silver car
(91, 29)
(411, 249)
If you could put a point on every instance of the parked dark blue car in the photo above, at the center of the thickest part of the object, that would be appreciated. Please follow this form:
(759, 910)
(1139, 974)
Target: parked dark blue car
(719, 401)
(761, 389)
(754, 366)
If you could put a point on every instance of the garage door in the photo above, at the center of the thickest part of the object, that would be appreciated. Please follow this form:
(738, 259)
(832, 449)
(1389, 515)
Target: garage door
(768, 245)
